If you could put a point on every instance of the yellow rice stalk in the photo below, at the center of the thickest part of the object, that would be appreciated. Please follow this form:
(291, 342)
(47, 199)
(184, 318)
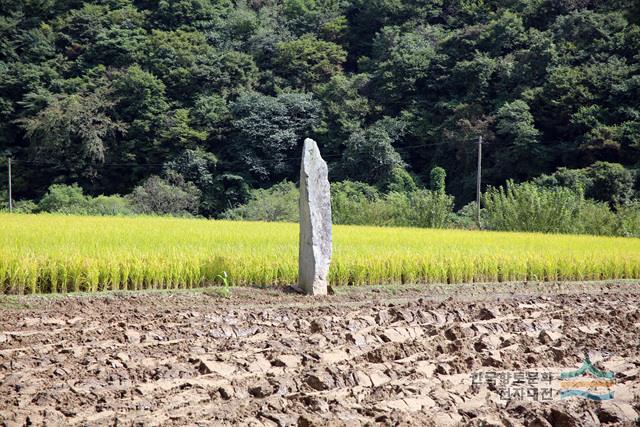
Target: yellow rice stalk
(54, 253)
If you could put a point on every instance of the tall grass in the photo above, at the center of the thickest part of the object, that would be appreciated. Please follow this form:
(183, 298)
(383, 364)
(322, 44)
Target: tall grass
(50, 253)
(528, 207)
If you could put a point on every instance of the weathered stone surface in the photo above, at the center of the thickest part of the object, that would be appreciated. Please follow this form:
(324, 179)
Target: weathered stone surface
(315, 221)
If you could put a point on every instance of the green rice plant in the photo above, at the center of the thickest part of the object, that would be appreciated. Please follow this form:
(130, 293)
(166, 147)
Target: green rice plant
(225, 291)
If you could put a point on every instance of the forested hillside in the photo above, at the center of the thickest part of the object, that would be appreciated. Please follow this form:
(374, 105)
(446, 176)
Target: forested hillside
(216, 96)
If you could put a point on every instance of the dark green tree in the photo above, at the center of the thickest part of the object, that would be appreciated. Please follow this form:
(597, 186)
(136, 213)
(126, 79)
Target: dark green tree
(74, 130)
(308, 61)
(438, 178)
(268, 130)
(522, 150)
(106, 92)
(370, 157)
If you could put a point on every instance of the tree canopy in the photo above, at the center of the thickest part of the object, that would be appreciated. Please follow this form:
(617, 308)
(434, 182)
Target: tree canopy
(218, 95)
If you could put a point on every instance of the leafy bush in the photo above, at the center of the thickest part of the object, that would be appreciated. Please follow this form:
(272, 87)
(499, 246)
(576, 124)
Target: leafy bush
(67, 199)
(172, 196)
(610, 182)
(574, 179)
(229, 190)
(198, 166)
(528, 207)
(400, 181)
(465, 218)
(109, 205)
(602, 181)
(278, 203)
(595, 218)
(438, 178)
(426, 208)
(360, 204)
(25, 206)
(369, 156)
(628, 219)
(354, 202)
(19, 206)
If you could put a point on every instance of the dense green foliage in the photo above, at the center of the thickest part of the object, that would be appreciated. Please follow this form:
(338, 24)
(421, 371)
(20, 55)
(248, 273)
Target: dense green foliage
(606, 182)
(351, 203)
(526, 207)
(529, 207)
(213, 97)
(278, 203)
(515, 207)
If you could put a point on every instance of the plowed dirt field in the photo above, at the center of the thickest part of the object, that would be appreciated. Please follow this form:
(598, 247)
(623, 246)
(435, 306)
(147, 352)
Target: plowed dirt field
(391, 356)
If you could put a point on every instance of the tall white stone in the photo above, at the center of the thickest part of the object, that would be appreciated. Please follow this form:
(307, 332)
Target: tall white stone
(315, 221)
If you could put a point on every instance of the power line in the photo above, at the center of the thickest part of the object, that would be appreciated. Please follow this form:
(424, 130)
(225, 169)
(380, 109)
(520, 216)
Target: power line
(39, 162)
(42, 163)
(140, 165)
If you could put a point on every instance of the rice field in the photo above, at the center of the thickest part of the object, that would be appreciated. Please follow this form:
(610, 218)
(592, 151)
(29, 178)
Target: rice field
(50, 253)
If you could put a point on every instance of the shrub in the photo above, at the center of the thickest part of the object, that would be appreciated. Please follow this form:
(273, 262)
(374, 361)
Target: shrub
(610, 182)
(574, 179)
(430, 208)
(278, 203)
(528, 207)
(25, 206)
(360, 204)
(109, 205)
(595, 218)
(157, 196)
(198, 166)
(392, 209)
(369, 156)
(438, 178)
(400, 181)
(353, 202)
(229, 190)
(628, 219)
(67, 199)
(465, 218)
(602, 181)
(20, 206)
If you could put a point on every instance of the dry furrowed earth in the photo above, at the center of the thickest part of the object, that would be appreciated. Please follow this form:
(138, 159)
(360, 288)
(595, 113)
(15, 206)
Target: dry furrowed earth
(393, 356)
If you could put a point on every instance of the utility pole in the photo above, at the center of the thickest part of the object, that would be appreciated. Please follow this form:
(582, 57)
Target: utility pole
(10, 196)
(478, 179)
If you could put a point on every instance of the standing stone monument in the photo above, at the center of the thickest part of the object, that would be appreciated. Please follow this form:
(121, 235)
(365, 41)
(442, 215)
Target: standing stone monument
(315, 221)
